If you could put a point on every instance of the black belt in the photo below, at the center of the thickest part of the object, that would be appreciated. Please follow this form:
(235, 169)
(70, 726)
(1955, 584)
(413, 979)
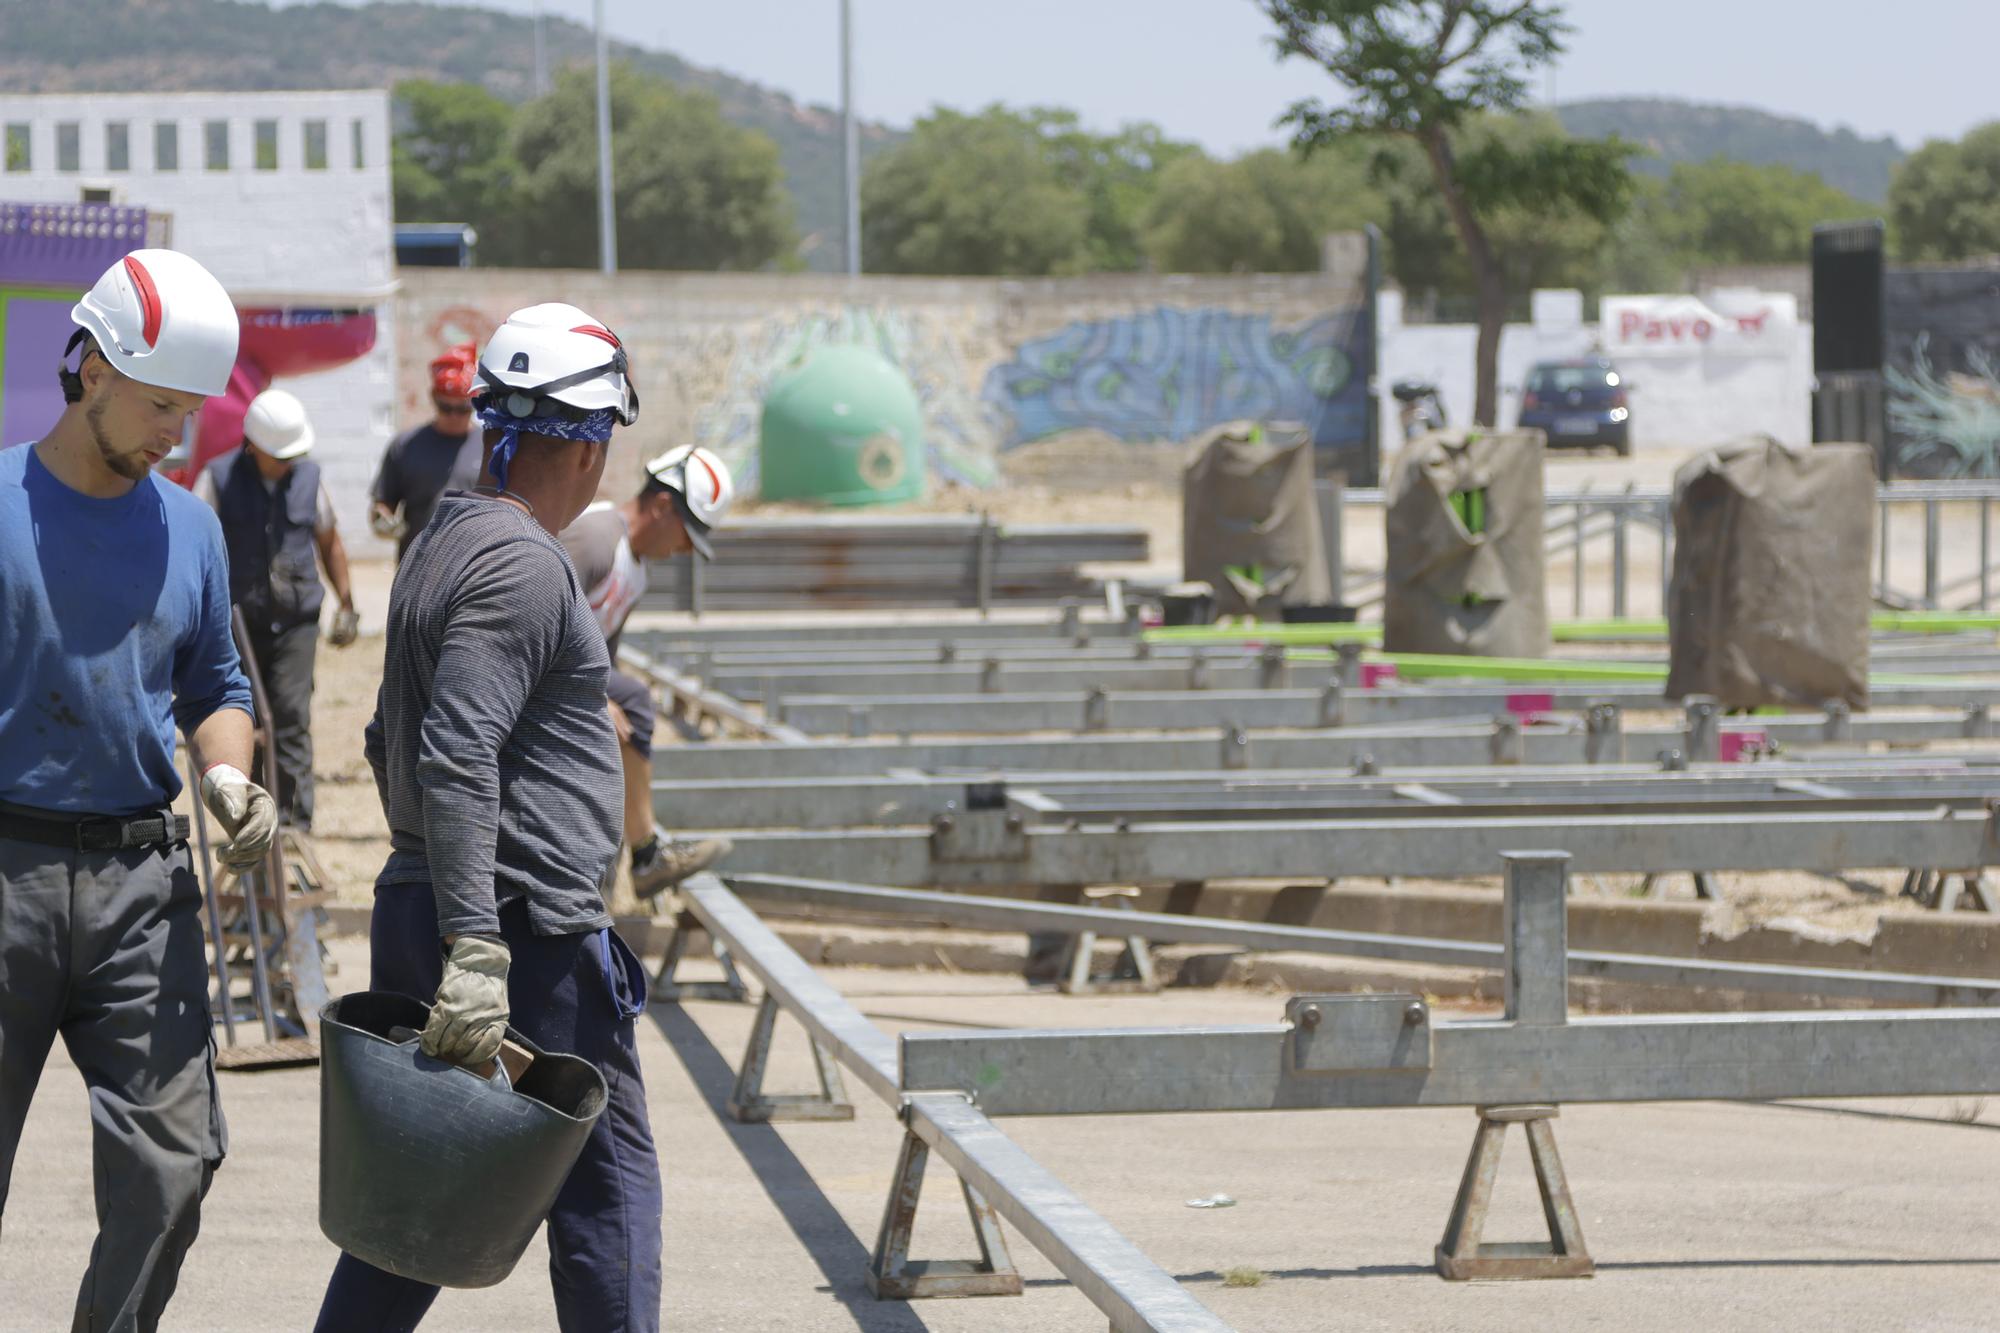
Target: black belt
(107, 834)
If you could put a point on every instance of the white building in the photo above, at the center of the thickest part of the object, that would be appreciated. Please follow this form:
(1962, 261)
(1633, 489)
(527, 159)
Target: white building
(285, 197)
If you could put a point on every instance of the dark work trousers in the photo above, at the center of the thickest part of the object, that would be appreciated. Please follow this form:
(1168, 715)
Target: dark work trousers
(106, 949)
(285, 667)
(577, 994)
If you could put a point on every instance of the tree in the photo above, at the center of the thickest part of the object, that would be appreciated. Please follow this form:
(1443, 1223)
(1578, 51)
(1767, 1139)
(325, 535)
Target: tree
(1420, 70)
(1944, 200)
(1725, 212)
(1117, 174)
(692, 190)
(452, 160)
(1265, 212)
(972, 194)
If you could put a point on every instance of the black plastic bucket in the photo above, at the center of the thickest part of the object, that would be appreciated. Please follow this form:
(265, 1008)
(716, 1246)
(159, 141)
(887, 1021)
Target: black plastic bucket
(427, 1170)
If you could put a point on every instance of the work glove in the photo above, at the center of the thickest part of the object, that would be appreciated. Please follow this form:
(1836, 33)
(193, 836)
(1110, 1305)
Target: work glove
(346, 627)
(469, 1014)
(386, 523)
(245, 810)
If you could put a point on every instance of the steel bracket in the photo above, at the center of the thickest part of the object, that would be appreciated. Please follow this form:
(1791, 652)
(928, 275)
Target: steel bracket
(978, 835)
(1346, 1034)
(749, 1102)
(1133, 969)
(668, 989)
(1462, 1257)
(894, 1276)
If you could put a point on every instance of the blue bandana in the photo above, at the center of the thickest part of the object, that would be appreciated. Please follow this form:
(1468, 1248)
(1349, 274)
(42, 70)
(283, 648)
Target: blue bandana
(594, 429)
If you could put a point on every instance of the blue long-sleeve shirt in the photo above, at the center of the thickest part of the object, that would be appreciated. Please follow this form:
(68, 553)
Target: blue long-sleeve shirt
(114, 626)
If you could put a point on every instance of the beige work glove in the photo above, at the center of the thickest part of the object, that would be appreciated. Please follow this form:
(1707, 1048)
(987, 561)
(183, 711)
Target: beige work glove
(346, 627)
(387, 523)
(246, 812)
(469, 1014)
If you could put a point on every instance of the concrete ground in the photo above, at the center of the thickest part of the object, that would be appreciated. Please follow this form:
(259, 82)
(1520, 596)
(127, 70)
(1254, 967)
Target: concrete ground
(1859, 1215)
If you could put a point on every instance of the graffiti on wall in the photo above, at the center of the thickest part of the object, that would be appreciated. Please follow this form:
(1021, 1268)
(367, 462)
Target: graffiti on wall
(1169, 374)
(726, 379)
(1942, 377)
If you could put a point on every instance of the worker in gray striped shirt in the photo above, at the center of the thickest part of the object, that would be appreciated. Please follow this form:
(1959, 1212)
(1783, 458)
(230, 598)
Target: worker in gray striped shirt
(498, 769)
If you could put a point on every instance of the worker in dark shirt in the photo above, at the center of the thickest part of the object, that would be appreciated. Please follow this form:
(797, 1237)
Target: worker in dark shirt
(497, 766)
(422, 464)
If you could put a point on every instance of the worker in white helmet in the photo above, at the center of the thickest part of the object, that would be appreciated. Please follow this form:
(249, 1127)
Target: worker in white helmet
(114, 627)
(498, 768)
(278, 524)
(686, 492)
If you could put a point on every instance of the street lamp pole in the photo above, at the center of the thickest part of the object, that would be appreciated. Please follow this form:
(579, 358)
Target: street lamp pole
(851, 154)
(607, 221)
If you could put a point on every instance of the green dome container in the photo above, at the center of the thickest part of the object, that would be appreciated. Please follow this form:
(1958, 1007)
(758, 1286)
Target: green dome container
(841, 426)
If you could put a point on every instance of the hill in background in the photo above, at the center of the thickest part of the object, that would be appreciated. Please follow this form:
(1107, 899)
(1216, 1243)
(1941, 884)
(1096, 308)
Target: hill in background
(185, 45)
(1687, 132)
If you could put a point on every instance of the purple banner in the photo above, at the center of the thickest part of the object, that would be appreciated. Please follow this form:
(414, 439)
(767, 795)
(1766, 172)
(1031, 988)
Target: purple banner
(65, 245)
(33, 330)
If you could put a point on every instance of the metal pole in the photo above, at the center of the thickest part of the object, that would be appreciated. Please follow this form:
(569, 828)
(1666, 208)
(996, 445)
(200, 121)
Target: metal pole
(541, 53)
(1618, 602)
(851, 140)
(607, 221)
(1931, 533)
(1985, 553)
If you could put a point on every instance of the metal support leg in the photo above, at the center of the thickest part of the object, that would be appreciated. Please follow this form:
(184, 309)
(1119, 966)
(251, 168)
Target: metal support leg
(668, 989)
(894, 1276)
(1133, 970)
(749, 1102)
(1604, 735)
(1462, 1257)
(1705, 887)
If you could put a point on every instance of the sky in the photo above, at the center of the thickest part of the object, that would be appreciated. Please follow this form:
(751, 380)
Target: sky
(1203, 70)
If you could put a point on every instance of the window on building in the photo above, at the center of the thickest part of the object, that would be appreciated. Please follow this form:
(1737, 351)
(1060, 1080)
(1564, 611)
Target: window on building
(360, 158)
(267, 145)
(98, 194)
(166, 146)
(215, 134)
(315, 136)
(18, 156)
(117, 146)
(69, 146)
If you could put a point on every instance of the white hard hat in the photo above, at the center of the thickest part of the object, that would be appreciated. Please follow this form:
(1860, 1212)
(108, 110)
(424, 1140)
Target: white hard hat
(276, 423)
(702, 484)
(162, 319)
(552, 357)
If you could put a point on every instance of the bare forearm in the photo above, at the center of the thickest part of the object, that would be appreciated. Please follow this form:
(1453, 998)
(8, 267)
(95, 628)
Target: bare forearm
(333, 554)
(224, 737)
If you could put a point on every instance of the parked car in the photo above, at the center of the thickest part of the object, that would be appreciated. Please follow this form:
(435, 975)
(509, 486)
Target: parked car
(1578, 404)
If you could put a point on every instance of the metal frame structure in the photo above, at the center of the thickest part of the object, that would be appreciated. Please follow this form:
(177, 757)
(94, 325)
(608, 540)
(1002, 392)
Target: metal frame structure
(1330, 1051)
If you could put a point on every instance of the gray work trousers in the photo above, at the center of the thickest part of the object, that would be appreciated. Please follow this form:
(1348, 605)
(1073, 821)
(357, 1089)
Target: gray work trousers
(285, 660)
(106, 948)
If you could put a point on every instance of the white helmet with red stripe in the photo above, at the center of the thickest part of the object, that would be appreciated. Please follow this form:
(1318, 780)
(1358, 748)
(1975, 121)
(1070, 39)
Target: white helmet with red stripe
(702, 484)
(160, 318)
(555, 354)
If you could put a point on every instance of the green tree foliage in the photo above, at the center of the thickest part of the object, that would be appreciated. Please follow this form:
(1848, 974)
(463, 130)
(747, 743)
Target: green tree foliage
(1723, 212)
(1005, 191)
(453, 160)
(1265, 212)
(1944, 202)
(1421, 70)
(693, 191)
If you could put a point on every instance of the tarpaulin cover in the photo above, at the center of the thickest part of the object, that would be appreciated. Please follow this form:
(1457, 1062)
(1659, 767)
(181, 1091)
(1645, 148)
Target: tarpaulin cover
(1249, 524)
(1465, 563)
(1770, 594)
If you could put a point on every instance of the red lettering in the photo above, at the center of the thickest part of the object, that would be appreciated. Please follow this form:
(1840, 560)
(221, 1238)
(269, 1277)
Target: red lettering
(1629, 323)
(1703, 330)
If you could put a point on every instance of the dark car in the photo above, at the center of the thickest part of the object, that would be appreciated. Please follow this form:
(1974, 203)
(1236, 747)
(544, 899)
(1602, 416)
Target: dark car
(1578, 404)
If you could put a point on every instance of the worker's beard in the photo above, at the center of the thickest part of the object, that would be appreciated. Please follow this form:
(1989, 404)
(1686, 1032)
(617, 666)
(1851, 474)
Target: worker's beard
(132, 464)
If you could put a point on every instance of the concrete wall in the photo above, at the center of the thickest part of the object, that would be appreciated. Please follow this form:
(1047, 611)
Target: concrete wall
(287, 236)
(999, 366)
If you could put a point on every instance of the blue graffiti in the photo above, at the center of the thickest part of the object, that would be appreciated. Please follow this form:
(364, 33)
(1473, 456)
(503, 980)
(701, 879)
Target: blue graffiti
(1169, 374)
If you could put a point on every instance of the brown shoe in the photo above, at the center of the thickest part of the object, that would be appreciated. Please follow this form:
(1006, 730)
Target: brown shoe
(673, 860)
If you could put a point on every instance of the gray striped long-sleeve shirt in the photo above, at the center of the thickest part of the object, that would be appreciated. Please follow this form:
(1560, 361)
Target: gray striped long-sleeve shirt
(493, 753)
